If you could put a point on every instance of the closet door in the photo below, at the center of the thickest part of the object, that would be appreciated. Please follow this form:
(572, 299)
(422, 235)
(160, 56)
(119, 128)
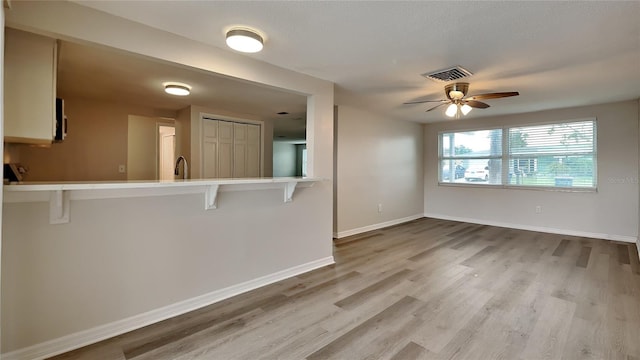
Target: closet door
(210, 148)
(239, 150)
(225, 149)
(230, 149)
(253, 151)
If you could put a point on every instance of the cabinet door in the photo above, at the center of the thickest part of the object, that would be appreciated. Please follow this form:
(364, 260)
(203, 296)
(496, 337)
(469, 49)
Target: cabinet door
(210, 148)
(253, 151)
(239, 150)
(225, 149)
(29, 87)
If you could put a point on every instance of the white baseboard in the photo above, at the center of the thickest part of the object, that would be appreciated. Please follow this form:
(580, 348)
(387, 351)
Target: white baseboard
(99, 333)
(360, 230)
(623, 238)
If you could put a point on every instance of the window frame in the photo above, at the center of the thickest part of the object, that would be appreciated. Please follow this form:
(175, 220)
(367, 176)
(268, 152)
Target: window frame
(480, 157)
(506, 158)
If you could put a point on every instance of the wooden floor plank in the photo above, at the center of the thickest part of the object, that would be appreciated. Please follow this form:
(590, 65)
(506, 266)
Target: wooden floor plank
(347, 340)
(361, 296)
(411, 351)
(480, 256)
(634, 259)
(549, 336)
(561, 247)
(426, 289)
(583, 260)
(623, 254)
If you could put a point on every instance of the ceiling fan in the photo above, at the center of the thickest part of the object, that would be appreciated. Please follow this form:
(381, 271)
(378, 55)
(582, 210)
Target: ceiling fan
(459, 104)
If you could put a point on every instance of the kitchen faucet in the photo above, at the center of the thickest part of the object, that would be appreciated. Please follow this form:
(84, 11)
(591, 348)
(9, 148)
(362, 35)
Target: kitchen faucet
(186, 167)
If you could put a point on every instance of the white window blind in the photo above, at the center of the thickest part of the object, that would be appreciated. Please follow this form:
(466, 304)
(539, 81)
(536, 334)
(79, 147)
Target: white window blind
(553, 155)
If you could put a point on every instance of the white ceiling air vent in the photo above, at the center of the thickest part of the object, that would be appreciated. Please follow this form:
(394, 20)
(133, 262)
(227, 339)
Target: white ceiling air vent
(450, 74)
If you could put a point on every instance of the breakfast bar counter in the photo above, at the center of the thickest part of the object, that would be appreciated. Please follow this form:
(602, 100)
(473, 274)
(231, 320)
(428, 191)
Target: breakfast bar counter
(91, 260)
(60, 193)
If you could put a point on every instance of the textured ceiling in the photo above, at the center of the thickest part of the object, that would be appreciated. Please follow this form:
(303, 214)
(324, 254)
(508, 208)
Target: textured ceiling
(556, 54)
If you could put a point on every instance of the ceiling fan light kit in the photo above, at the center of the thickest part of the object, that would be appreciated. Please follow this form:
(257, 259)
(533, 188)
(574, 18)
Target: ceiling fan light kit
(456, 90)
(452, 110)
(458, 104)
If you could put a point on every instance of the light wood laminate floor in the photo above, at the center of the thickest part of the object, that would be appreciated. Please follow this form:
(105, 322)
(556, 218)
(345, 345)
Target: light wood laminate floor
(427, 289)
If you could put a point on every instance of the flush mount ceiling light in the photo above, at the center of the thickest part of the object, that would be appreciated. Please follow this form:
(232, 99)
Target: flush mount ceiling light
(177, 89)
(244, 40)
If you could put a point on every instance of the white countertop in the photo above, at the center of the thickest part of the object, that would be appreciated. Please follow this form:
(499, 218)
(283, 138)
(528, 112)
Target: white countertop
(59, 194)
(146, 184)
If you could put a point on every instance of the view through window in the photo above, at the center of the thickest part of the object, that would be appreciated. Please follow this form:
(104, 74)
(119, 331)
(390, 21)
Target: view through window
(559, 155)
(472, 156)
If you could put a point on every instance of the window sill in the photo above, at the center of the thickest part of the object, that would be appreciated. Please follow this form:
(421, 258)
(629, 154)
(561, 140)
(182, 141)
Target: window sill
(522, 187)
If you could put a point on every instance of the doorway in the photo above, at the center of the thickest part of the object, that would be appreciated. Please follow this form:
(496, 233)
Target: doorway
(166, 151)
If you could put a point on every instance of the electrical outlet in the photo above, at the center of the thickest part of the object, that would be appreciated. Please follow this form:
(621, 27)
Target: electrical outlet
(538, 209)
(379, 208)
(122, 169)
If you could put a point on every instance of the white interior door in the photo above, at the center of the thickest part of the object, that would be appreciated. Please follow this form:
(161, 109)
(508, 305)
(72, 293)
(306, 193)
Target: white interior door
(166, 151)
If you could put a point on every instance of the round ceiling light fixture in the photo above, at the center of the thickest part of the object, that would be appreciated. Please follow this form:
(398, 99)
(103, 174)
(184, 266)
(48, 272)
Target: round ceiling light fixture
(177, 89)
(244, 40)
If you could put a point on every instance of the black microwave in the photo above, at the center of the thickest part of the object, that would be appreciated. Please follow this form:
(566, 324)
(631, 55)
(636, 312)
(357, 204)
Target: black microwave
(61, 121)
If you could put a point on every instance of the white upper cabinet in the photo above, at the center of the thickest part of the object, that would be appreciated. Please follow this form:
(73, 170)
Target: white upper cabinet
(29, 87)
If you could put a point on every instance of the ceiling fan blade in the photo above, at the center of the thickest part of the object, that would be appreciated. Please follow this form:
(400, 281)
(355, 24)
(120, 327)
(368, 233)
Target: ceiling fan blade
(437, 106)
(476, 104)
(493, 95)
(424, 101)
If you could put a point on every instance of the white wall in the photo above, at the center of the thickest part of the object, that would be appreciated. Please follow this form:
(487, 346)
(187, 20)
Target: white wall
(150, 252)
(611, 212)
(284, 159)
(379, 161)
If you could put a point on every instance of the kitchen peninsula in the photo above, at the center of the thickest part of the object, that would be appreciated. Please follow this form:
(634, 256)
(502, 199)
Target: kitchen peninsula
(141, 252)
(135, 253)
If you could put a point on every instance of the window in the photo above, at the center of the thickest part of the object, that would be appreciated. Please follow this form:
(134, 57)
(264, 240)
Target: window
(554, 155)
(471, 156)
(560, 155)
